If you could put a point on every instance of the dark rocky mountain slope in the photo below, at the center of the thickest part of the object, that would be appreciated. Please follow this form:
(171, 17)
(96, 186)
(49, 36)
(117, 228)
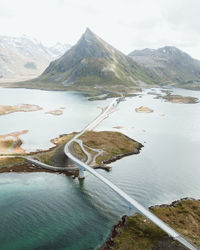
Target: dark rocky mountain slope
(169, 65)
(93, 62)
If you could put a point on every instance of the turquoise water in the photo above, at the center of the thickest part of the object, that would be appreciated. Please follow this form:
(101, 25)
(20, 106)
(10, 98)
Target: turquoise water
(47, 211)
(52, 211)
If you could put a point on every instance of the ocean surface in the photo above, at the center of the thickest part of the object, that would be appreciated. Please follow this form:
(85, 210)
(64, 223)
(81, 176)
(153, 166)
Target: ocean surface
(53, 211)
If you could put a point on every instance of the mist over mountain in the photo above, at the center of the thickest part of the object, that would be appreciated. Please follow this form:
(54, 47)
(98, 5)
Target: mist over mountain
(25, 57)
(59, 49)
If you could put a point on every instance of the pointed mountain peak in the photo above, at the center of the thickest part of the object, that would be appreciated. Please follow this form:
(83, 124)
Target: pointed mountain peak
(89, 35)
(88, 32)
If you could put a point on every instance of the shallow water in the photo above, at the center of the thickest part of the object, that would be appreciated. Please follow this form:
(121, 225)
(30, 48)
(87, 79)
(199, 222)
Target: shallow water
(43, 127)
(52, 211)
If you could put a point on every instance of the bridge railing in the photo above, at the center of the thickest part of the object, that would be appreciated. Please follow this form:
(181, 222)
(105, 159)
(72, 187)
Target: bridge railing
(131, 203)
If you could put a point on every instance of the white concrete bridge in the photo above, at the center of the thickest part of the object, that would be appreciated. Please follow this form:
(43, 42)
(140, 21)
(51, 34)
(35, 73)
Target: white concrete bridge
(131, 203)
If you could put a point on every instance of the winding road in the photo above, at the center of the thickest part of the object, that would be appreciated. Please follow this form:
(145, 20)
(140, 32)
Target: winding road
(131, 203)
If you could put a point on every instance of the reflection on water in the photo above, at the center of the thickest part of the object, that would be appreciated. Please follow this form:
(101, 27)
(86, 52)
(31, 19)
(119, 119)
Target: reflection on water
(52, 211)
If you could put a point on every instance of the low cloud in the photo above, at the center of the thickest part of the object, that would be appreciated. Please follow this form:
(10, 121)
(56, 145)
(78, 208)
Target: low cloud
(6, 12)
(126, 24)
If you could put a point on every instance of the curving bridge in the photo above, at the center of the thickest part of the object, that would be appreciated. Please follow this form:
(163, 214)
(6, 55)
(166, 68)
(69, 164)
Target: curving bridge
(131, 203)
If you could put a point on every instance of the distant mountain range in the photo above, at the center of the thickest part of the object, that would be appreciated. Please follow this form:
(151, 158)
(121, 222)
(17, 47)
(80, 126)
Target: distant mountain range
(94, 65)
(59, 49)
(169, 65)
(24, 57)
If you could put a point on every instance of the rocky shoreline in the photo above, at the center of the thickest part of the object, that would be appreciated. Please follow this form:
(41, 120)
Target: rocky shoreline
(120, 156)
(174, 203)
(165, 241)
(31, 168)
(114, 232)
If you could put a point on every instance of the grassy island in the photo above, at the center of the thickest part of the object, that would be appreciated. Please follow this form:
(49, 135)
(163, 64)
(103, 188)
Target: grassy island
(110, 146)
(101, 148)
(141, 234)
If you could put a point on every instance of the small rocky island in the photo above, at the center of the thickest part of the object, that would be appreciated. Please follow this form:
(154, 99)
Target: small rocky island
(178, 99)
(7, 109)
(55, 112)
(142, 109)
(139, 233)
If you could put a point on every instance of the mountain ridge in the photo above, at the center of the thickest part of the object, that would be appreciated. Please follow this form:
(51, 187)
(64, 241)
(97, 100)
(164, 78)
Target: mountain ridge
(169, 64)
(24, 57)
(93, 65)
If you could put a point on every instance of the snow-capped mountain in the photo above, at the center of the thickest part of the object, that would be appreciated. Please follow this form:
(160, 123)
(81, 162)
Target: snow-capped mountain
(59, 49)
(25, 57)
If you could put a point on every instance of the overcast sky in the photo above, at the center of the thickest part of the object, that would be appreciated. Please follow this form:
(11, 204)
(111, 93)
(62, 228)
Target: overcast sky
(126, 24)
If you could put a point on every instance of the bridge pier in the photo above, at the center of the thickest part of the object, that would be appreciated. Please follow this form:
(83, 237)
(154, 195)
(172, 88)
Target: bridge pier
(128, 211)
(81, 174)
(130, 202)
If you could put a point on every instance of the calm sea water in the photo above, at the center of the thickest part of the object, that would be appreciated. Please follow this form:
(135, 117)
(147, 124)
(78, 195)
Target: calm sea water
(52, 211)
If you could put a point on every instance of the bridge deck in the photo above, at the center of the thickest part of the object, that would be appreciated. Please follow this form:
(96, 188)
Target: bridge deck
(130, 201)
(125, 197)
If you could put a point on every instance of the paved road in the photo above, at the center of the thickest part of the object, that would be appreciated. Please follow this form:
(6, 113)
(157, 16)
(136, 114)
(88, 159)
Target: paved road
(49, 167)
(92, 125)
(131, 203)
(93, 159)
